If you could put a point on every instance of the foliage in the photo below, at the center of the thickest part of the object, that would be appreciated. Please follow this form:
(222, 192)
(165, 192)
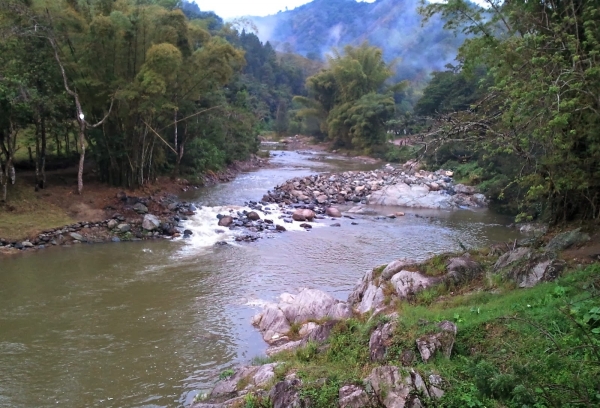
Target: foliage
(181, 90)
(542, 60)
(351, 98)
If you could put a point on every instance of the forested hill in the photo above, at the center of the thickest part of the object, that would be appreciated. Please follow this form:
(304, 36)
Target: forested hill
(394, 25)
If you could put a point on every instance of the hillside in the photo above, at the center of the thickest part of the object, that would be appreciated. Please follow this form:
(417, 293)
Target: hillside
(313, 29)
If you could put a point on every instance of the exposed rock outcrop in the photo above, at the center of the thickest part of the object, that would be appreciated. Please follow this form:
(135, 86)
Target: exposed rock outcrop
(441, 341)
(309, 305)
(397, 388)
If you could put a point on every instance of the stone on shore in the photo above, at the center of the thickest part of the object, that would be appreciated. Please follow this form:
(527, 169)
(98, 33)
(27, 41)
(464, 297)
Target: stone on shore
(275, 320)
(150, 222)
(333, 212)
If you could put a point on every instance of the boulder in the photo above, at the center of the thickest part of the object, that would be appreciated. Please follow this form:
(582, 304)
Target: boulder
(333, 212)
(566, 240)
(112, 224)
(253, 216)
(272, 323)
(310, 304)
(298, 215)
(396, 266)
(414, 196)
(546, 271)
(77, 237)
(407, 283)
(511, 257)
(150, 222)
(124, 228)
(462, 189)
(140, 208)
(27, 244)
(322, 199)
(380, 340)
(352, 396)
(309, 215)
(462, 268)
(442, 341)
(226, 221)
(285, 393)
(391, 387)
(321, 333)
(435, 386)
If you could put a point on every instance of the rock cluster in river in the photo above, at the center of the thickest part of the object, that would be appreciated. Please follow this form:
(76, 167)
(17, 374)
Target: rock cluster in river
(388, 186)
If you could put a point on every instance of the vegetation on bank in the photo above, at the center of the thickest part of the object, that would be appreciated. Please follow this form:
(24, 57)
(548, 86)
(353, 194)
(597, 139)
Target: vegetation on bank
(536, 347)
(142, 87)
(531, 121)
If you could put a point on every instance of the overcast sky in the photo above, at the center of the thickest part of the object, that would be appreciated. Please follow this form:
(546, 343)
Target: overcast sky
(235, 8)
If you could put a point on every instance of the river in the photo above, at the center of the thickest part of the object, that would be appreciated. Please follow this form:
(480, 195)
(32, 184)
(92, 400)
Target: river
(149, 324)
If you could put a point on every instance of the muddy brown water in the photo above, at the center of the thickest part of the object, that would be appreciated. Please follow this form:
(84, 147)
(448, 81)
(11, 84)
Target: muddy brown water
(150, 324)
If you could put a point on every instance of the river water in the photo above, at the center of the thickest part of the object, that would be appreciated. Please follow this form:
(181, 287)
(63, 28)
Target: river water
(149, 324)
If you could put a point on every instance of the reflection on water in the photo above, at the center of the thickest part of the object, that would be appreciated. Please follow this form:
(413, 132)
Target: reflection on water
(149, 324)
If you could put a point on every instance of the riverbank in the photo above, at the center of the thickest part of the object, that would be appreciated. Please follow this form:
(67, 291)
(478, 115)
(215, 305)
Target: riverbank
(32, 219)
(511, 324)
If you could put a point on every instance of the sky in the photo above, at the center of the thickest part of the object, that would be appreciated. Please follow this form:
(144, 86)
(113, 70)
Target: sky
(236, 8)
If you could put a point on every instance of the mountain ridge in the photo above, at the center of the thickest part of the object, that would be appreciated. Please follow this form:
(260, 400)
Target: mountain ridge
(313, 29)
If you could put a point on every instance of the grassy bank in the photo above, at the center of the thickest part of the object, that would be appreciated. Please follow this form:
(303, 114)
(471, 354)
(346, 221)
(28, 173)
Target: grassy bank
(536, 347)
(27, 213)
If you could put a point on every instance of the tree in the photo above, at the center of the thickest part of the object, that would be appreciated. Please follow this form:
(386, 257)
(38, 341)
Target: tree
(542, 108)
(352, 97)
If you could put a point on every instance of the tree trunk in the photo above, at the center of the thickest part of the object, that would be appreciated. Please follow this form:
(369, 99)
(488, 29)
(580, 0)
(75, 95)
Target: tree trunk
(42, 157)
(81, 156)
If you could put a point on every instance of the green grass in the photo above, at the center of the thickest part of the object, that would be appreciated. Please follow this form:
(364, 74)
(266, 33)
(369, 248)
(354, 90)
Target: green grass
(538, 347)
(26, 214)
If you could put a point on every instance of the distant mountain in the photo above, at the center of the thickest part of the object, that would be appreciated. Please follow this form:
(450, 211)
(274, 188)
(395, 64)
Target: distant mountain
(394, 25)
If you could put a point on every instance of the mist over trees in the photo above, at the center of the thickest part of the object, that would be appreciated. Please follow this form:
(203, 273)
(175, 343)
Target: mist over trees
(394, 26)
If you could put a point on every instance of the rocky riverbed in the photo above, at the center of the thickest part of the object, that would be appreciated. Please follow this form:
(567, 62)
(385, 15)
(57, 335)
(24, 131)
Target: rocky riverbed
(394, 186)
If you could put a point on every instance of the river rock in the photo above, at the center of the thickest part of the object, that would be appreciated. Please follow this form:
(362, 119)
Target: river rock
(413, 196)
(298, 215)
(112, 224)
(226, 221)
(77, 237)
(275, 320)
(150, 222)
(309, 215)
(333, 212)
(124, 228)
(253, 216)
(140, 208)
(462, 189)
(442, 341)
(26, 244)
